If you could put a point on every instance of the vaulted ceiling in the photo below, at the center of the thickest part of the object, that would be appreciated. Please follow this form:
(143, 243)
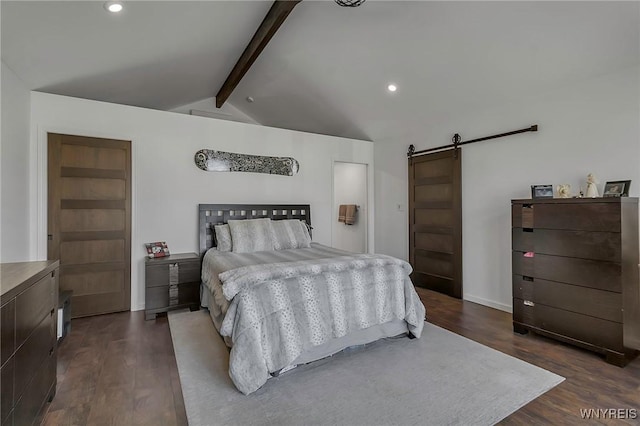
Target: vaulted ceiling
(327, 68)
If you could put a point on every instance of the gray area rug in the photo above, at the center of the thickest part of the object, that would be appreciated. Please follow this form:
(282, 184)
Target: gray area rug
(439, 379)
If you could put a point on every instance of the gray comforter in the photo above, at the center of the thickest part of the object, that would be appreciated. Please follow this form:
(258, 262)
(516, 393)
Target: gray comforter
(301, 298)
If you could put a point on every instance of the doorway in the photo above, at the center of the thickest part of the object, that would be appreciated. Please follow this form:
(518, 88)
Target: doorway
(435, 221)
(89, 221)
(350, 190)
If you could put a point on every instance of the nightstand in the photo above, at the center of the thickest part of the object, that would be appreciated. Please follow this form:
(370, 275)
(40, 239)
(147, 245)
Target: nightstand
(172, 282)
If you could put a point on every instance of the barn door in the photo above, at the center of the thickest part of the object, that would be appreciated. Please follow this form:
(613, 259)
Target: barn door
(89, 221)
(435, 221)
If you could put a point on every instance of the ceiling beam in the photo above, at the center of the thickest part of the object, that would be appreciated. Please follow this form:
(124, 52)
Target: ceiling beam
(272, 21)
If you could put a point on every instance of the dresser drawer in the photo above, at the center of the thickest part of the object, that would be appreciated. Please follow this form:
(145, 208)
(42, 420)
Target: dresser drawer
(33, 400)
(8, 333)
(585, 245)
(570, 216)
(168, 296)
(6, 389)
(588, 301)
(581, 272)
(594, 331)
(39, 345)
(33, 305)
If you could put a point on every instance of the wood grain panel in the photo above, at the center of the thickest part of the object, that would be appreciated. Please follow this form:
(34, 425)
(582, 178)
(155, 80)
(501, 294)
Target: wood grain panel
(437, 167)
(439, 267)
(582, 244)
(587, 301)
(438, 192)
(93, 157)
(32, 401)
(93, 282)
(434, 217)
(77, 252)
(92, 189)
(92, 220)
(434, 242)
(95, 304)
(82, 172)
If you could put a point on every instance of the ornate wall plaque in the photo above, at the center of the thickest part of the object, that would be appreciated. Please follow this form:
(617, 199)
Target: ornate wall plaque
(221, 161)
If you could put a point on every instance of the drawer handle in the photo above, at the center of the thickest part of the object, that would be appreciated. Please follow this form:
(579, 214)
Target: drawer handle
(529, 303)
(527, 206)
(50, 351)
(52, 311)
(529, 254)
(527, 229)
(526, 278)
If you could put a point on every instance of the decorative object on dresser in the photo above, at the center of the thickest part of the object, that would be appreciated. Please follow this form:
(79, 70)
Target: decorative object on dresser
(619, 188)
(157, 249)
(541, 191)
(592, 189)
(575, 273)
(28, 308)
(210, 160)
(564, 190)
(172, 282)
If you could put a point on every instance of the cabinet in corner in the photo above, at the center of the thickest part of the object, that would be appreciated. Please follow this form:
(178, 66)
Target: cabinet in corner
(575, 273)
(28, 309)
(172, 282)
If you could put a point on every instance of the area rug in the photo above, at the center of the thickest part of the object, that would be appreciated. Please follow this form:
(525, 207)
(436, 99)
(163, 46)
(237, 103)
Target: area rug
(439, 379)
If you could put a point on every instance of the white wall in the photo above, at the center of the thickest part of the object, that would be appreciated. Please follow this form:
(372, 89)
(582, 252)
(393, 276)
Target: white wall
(590, 126)
(207, 107)
(14, 154)
(350, 187)
(167, 186)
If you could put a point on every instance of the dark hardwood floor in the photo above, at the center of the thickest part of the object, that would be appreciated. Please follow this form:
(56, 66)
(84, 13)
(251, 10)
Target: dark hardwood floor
(120, 370)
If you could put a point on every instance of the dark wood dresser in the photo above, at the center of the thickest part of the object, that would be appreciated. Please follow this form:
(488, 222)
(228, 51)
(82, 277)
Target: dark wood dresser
(172, 282)
(575, 272)
(29, 312)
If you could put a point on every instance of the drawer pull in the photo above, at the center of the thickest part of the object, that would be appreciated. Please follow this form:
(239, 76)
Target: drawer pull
(527, 229)
(526, 278)
(529, 303)
(52, 311)
(529, 254)
(50, 351)
(527, 206)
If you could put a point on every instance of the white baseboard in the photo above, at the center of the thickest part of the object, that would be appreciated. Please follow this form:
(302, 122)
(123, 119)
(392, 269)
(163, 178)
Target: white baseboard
(489, 303)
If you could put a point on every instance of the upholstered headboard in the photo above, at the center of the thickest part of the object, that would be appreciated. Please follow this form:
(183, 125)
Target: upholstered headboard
(216, 214)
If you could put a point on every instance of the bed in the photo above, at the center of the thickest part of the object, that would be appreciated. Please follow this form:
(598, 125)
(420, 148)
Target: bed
(295, 301)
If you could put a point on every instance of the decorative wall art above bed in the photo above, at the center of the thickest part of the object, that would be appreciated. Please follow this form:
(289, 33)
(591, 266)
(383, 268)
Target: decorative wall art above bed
(211, 160)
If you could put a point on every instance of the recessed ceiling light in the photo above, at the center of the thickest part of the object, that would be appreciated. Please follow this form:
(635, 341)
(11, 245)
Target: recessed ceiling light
(113, 6)
(392, 88)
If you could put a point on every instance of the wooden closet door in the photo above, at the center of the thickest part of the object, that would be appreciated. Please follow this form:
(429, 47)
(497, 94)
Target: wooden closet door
(435, 221)
(89, 221)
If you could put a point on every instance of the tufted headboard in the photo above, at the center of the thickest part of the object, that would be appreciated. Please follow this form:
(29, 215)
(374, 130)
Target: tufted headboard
(216, 214)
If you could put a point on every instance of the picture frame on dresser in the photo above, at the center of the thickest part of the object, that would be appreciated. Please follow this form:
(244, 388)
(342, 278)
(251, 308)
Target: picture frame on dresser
(541, 191)
(618, 188)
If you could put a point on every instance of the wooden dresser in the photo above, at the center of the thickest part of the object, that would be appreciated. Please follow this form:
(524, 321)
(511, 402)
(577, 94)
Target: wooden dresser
(172, 282)
(575, 272)
(29, 312)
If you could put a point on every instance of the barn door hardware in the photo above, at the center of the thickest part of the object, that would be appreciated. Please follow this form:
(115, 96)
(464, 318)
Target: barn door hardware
(457, 142)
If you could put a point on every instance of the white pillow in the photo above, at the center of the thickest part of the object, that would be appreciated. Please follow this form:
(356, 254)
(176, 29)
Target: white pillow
(290, 234)
(223, 237)
(251, 235)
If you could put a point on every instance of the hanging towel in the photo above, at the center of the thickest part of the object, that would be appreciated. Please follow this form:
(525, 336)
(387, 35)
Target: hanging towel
(342, 213)
(350, 215)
